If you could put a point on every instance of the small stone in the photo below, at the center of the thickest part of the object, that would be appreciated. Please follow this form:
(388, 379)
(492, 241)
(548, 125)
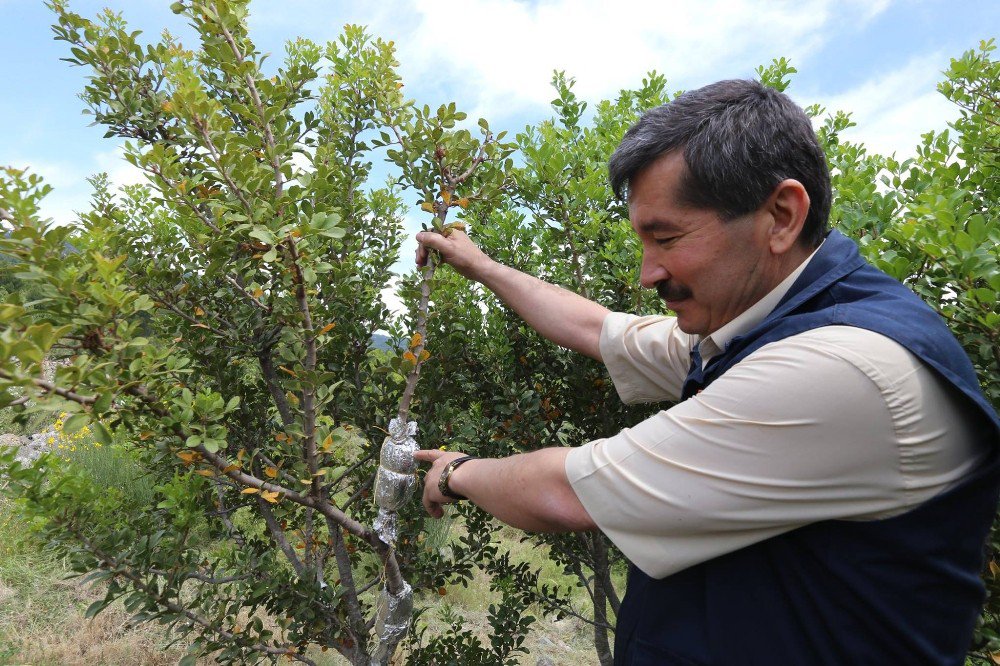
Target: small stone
(16, 441)
(545, 661)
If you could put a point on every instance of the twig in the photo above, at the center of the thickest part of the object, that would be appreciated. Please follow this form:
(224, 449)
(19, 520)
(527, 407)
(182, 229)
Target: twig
(255, 96)
(49, 387)
(205, 578)
(279, 537)
(355, 615)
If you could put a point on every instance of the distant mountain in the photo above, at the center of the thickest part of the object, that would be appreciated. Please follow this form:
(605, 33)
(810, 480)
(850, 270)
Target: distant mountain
(380, 341)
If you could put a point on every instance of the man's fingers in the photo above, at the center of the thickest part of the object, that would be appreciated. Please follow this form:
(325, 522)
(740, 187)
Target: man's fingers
(428, 455)
(429, 239)
(433, 508)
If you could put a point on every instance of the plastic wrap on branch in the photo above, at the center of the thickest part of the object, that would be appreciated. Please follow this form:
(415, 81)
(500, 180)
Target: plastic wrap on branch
(395, 480)
(392, 621)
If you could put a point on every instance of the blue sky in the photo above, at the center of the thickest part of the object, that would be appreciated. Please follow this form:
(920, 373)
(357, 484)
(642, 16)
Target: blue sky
(879, 58)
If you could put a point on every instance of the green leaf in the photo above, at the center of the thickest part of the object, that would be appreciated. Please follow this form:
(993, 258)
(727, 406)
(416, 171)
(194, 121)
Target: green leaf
(101, 433)
(263, 234)
(9, 311)
(96, 607)
(75, 423)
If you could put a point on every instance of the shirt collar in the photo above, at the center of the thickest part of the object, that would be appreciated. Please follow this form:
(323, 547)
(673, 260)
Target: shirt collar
(715, 343)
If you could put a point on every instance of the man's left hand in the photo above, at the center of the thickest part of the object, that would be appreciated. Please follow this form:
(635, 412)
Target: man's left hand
(433, 499)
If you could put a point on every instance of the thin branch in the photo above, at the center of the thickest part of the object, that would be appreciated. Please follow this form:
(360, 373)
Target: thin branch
(224, 515)
(274, 387)
(240, 288)
(282, 473)
(180, 313)
(205, 578)
(265, 126)
(50, 387)
(279, 537)
(355, 615)
(216, 157)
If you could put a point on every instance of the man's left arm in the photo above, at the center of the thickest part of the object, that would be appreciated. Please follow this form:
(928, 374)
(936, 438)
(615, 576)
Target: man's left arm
(529, 491)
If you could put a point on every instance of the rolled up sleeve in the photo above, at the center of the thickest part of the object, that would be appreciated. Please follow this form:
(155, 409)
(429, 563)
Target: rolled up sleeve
(798, 432)
(647, 357)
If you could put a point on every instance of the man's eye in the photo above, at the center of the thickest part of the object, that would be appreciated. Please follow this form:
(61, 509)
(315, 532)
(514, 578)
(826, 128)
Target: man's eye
(666, 240)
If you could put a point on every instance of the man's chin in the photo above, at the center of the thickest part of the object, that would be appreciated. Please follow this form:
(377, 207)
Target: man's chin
(685, 321)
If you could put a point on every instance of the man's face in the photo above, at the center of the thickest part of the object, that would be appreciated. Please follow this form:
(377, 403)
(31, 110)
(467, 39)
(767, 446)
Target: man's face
(708, 271)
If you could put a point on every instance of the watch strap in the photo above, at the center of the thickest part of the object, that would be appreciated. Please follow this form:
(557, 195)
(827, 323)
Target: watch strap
(445, 477)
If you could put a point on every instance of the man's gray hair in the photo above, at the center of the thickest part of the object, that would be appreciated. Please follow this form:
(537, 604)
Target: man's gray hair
(739, 140)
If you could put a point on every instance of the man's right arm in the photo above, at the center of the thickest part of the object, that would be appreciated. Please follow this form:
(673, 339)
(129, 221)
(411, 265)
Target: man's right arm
(565, 318)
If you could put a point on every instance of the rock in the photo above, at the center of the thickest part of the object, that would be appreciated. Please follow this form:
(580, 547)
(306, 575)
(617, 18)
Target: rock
(545, 661)
(39, 444)
(30, 448)
(16, 441)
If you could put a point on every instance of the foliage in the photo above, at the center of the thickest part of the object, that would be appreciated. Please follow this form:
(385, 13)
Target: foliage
(564, 226)
(218, 323)
(929, 221)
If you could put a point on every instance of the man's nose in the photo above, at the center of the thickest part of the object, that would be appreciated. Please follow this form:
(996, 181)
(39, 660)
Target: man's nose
(651, 272)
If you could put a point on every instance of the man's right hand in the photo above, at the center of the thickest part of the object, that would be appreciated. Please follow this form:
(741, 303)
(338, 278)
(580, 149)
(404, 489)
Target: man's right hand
(457, 250)
(565, 318)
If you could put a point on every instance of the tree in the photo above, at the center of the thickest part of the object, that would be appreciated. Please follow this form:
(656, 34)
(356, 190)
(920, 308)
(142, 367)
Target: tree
(217, 325)
(929, 221)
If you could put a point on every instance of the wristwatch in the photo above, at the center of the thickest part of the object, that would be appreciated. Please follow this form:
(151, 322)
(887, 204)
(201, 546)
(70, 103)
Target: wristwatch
(446, 475)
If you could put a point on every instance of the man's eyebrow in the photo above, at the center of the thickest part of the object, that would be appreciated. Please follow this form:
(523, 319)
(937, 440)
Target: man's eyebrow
(652, 226)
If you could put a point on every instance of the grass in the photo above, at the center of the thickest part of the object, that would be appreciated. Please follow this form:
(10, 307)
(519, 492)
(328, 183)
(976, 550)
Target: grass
(42, 623)
(42, 612)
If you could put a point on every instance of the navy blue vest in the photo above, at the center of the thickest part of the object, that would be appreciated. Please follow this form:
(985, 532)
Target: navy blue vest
(899, 590)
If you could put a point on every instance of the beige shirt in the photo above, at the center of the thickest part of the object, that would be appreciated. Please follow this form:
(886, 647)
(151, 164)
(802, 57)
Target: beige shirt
(834, 423)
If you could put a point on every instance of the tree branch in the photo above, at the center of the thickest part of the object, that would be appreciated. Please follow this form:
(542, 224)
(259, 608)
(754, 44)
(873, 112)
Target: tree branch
(278, 535)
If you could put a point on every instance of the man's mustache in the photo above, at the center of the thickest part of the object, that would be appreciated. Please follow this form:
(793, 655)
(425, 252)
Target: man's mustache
(669, 291)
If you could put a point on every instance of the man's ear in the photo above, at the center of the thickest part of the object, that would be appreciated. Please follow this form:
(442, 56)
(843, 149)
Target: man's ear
(788, 207)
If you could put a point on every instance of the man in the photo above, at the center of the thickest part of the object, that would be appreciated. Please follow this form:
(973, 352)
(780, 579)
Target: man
(822, 491)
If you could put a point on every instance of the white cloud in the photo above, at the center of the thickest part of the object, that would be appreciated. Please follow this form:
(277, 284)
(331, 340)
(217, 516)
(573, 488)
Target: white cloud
(70, 190)
(391, 298)
(506, 51)
(892, 110)
(119, 171)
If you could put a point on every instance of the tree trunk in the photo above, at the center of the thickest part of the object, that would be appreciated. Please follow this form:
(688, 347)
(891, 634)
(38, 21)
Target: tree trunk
(601, 579)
